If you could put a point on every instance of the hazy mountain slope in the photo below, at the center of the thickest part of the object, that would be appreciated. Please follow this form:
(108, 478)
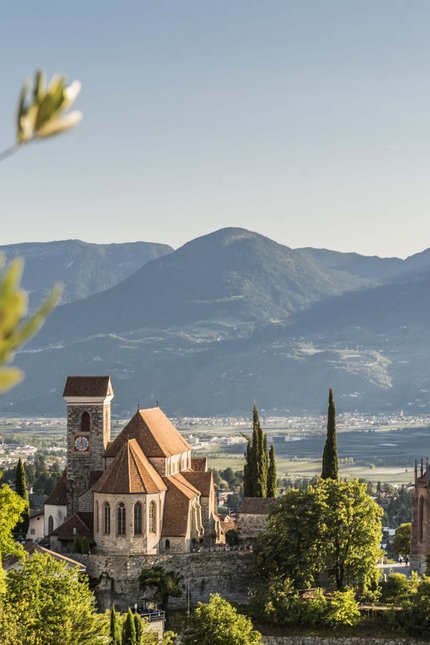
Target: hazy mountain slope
(232, 317)
(371, 267)
(232, 275)
(84, 269)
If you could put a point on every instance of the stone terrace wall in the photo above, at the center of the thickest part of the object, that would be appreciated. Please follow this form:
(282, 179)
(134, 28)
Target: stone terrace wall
(324, 640)
(230, 573)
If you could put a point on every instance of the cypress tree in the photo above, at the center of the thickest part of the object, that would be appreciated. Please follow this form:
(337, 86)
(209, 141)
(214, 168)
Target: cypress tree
(264, 465)
(329, 463)
(129, 630)
(272, 478)
(115, 628)
(21, 488)
(255, 454)
(255, 472)
(247, 483)
(139, 628)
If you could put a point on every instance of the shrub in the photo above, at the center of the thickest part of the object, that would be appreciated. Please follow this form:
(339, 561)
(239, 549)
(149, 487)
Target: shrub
(314, 608)
(342, 609)
(395, 588)
(232, 537)
(278, 603)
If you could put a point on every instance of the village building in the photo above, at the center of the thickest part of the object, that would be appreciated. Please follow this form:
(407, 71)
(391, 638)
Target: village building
(252, 517)
(36, 526)
(420, 542)
(141, 493)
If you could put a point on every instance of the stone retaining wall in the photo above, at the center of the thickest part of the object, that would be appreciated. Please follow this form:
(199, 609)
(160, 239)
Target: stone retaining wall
(116, 578)
(330, 640)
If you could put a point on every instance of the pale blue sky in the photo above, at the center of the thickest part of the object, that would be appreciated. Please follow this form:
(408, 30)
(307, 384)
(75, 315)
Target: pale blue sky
(305, 120)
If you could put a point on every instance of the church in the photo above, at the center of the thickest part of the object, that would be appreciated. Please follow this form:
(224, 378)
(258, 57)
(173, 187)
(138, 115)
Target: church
(141, 493)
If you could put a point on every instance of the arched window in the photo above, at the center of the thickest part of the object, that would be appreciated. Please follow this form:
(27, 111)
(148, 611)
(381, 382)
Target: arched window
(152, 525)
(167, 545)
(106, 518)
(50, 524)
(97, 518)
(85, 422)
(421, 519)
(138, 518)
(121, 519)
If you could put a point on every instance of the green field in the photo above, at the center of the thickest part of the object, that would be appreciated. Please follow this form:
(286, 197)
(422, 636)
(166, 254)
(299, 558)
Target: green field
(308, 468)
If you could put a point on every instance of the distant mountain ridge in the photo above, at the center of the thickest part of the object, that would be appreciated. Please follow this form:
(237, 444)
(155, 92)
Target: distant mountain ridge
(230, 276)
(233, 316)
(82, 267)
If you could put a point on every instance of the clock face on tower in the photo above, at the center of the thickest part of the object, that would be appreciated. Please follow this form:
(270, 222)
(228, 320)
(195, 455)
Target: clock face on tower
(81, 444)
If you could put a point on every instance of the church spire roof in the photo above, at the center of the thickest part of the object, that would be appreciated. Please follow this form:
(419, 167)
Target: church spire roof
(130, 472)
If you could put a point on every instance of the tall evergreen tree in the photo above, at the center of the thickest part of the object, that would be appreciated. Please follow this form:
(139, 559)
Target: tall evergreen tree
(139, 628)
(264, 464)
(115, 628)
(247, 482)
(330, 462)
(21, 528)
(272, 477)
(129, 630)
(256, 460)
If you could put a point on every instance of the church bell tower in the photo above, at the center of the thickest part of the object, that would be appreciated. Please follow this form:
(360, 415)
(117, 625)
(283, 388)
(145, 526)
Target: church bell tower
(88, 401)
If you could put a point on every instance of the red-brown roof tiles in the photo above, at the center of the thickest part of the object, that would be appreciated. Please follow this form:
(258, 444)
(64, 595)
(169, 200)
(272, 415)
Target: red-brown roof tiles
(58, 497)
(155, 434)
(199, 463)
(203, 481)
(177, 508)
(75, 525)
(256, 505)
(91, 386)
(130, 472)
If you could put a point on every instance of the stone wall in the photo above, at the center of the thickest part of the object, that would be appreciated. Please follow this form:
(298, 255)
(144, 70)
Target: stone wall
(80, 464)
(332, 640)
(230, 573)
(250, 525)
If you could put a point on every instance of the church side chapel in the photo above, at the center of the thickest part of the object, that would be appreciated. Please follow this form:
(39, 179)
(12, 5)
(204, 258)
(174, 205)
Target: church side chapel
(142, 493)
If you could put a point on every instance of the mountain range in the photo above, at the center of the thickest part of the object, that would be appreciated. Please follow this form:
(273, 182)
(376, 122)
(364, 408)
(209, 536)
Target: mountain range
(229, 318)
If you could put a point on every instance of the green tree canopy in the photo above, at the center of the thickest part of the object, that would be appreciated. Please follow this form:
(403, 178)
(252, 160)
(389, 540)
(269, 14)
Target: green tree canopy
(219, 623)
(332, 526)
(165, 583)
(48, 603)
(11, 508)
(402, 540)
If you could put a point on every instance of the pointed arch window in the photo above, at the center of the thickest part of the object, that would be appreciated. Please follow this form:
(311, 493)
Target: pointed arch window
(50, 524)
(138, 518)
(97, 518)
(152, 524)
(106, 518)
(121, 519)
(85, 422)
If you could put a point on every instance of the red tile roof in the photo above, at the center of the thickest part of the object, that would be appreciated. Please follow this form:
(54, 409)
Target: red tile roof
(199, 463)
(130, 472)
(58, 497)
(91, 386)
(177, 507)
(203, 481)
(256, 505)
(155, 434)
(32, 548)
(79, 524)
